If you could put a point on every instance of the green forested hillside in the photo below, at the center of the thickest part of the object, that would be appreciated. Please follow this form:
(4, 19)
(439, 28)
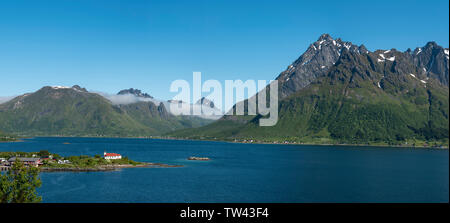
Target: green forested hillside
(66, 112)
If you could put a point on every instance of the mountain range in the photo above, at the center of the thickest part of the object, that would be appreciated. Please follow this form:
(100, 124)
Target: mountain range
(335, 92)
(73, 111)
(339, 92)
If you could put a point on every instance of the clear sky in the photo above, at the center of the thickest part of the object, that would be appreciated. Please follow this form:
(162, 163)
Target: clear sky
(112, 45)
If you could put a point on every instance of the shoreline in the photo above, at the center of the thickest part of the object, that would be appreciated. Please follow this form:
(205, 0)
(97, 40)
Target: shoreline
(228, 141)
(17, 140)
(310, 144)
(106, 167)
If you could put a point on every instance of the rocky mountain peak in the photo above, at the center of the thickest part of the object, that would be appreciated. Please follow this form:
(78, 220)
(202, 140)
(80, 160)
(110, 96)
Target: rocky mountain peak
(363, 49)
(315, 62)
(433, 60)
(429, 61)
(135, 92)
(57, 89)
(206, 102)
(77, 87)
(431, 44)
(325, 37)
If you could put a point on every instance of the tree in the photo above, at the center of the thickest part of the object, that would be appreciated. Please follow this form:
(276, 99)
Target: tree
(57, 157)
(44, 153)
(19, 183)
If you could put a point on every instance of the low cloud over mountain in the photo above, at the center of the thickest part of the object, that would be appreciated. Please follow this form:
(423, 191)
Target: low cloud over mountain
(6, 99)
(124, 99)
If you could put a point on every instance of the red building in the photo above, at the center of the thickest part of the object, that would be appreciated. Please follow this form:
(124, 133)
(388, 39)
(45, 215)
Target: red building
(112, 156)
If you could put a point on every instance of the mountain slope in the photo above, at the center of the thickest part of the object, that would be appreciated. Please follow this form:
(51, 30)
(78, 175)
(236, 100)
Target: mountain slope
(386, 97)
(65, 111)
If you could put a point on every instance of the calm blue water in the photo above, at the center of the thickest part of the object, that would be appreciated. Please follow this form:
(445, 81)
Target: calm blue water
(245, 172)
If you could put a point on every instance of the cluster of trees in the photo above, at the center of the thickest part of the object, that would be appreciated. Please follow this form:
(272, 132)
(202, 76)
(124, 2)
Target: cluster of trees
(19, 183)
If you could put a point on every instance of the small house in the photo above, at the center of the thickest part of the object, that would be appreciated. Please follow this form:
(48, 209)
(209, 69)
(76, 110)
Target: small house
(63, 162)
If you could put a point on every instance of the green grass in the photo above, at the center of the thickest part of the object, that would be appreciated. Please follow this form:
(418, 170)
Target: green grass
(91, 162)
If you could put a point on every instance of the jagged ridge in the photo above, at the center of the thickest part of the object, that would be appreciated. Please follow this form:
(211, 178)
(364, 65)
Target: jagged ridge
(339, 92)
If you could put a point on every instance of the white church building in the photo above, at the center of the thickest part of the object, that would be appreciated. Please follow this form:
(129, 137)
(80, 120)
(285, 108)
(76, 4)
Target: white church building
(111, 156)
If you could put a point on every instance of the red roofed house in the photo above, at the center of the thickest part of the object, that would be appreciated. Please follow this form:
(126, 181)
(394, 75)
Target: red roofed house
(112, 156)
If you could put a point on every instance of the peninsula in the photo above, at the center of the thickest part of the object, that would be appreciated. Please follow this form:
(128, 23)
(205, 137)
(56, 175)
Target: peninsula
(52, 162)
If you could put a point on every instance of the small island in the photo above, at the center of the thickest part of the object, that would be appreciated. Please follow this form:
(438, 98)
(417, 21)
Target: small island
(199, 158)
(48, 162)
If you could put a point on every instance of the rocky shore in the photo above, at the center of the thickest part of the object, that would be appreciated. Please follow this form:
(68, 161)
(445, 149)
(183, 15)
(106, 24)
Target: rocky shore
(198, 158)
(105, 167)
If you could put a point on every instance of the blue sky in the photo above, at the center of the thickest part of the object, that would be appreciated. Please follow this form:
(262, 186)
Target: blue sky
(112, 45)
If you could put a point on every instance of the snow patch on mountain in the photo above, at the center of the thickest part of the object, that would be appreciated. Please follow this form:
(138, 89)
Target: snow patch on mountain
(391, 58)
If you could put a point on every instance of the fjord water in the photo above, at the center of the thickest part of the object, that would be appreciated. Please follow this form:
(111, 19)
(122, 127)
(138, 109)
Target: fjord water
(245, 172)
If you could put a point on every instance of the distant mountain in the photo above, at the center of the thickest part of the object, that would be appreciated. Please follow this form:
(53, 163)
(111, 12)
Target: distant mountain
(135, 92)
(156, 115)
(205, 102)
(73, 111)
(337, 92)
